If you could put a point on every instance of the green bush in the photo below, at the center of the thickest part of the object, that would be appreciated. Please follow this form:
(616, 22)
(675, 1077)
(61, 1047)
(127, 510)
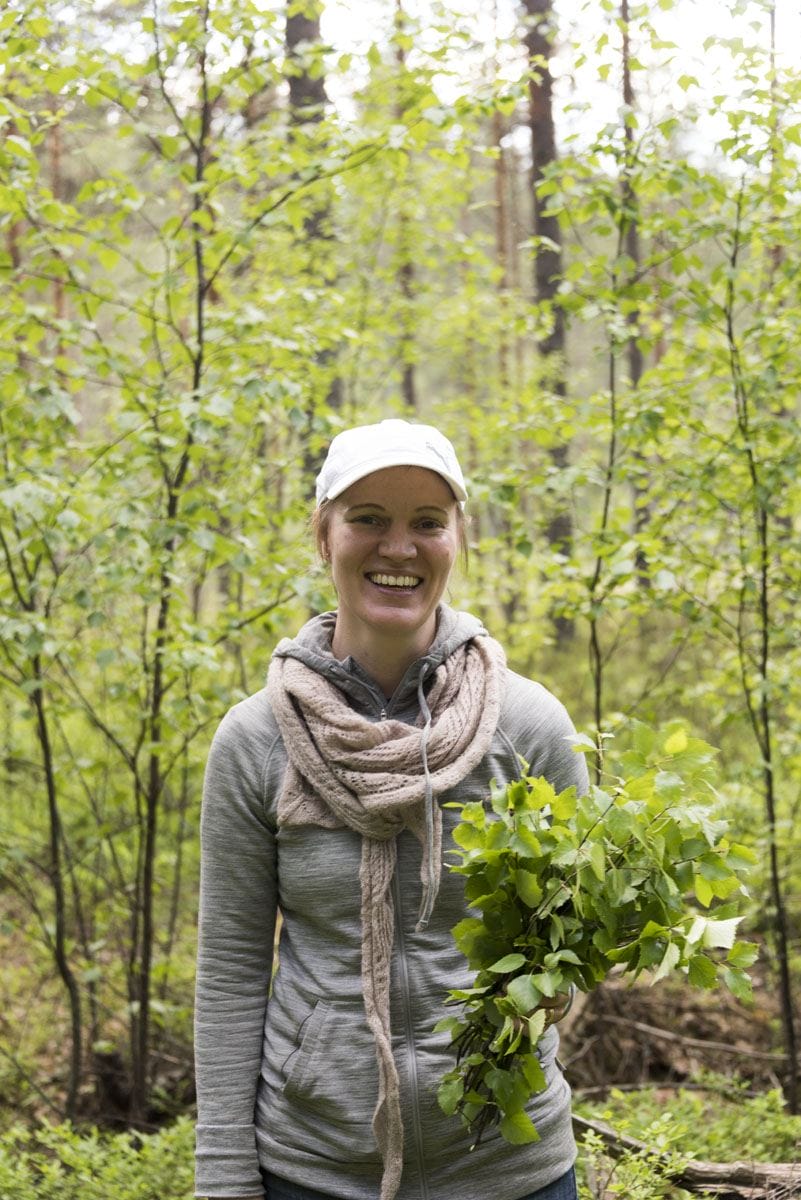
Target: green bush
(57, 1162)
(636, 1175)
(720, 1123)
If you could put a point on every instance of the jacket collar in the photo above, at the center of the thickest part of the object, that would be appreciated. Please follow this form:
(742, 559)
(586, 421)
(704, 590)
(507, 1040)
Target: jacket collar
(312, 646)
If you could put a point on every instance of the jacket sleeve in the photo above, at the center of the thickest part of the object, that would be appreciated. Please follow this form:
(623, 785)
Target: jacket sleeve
(238, 904)
(541, 729)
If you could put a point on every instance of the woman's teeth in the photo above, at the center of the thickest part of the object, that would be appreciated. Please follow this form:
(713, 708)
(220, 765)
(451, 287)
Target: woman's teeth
(398, 581)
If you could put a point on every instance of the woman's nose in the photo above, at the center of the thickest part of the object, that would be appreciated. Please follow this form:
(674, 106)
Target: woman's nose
(397, 543)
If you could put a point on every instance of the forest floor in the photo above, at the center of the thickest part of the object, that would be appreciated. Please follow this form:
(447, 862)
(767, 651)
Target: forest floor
(620, 1036)
(633, 1036)
(665, 1070)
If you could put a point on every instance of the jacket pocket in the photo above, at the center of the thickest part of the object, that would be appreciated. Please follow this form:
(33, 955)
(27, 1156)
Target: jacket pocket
(299, 1066)
(330, 1086)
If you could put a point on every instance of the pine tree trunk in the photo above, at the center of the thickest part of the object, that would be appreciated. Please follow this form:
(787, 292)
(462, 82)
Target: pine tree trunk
(548, 255)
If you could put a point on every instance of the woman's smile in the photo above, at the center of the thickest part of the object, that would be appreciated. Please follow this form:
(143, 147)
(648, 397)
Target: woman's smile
(396, 582)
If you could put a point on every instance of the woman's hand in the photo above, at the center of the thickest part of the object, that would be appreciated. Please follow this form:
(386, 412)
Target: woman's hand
(557, 1007)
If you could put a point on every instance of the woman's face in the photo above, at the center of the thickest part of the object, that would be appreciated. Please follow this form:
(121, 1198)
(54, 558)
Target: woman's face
(391, 539)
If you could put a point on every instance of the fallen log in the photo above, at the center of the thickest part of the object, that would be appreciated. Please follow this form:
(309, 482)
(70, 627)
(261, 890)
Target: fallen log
(729, 1181)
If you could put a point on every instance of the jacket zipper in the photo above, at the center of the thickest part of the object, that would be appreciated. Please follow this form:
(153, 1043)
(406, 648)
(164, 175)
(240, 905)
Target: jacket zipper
(408, 1035)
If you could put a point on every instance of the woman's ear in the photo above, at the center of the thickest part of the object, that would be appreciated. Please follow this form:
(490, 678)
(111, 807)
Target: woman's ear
(320, 526)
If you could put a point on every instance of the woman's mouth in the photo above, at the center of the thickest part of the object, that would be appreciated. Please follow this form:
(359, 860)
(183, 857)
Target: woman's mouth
(402, 582)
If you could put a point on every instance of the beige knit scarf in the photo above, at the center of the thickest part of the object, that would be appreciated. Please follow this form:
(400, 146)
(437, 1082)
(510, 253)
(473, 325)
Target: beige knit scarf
(377, 779)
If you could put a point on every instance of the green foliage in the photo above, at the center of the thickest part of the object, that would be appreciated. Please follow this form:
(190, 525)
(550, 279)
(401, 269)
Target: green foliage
(56, 1162)
(200, 287)
(636, 1174)
(638, 876)
(715, 1122)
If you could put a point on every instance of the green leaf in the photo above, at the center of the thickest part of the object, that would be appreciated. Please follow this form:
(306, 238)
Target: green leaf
(524, 994)
(677, 742)
(702, 972)
(703, 890)
(668, 785)
(738, 983)
(536, 1028)
(582, 743)
(743, 954)
(528, 888)
(721, 933)
(670, 960)
(508, 1087)
(449, 1094)
(714, 868)
(741, 857)
(525, 842)
(449, 1025)
(548, 982)
(466, 932)
(541, 794)
(530, 1064)
(510, 962)
(518, 1128)
(468, 837)
(565, 956)
(475, 813)
(563, 806)
(597, 858)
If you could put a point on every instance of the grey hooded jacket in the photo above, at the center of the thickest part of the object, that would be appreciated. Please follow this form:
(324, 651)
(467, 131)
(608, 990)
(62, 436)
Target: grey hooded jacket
(289, 1083)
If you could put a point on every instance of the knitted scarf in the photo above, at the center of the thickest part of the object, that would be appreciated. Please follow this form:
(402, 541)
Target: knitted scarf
(377, 779)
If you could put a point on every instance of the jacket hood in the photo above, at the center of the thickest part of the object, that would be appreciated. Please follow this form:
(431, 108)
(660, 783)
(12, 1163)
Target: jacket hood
(312, 647)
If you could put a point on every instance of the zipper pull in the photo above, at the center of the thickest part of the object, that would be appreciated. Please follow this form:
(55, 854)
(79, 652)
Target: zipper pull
(382, 716)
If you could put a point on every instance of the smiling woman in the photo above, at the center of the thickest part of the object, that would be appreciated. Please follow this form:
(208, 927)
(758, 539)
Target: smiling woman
(326, 794)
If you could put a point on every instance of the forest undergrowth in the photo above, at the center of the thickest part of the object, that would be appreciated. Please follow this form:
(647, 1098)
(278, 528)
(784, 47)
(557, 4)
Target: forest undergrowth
(693, 1075)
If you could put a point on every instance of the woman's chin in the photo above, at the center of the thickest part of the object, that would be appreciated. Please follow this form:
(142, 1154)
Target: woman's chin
(399, 616)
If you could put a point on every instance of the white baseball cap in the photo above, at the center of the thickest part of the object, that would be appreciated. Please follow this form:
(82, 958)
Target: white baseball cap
(357, 452)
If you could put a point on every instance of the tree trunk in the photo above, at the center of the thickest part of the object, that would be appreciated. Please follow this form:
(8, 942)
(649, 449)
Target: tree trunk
(56, 874)
(759, 698)
(57, 188)
(406, 273)
(502, 241)
(630, 202)
(548, 256)
(307, 101)
(631, 245)
(307, 94)
(141, 981)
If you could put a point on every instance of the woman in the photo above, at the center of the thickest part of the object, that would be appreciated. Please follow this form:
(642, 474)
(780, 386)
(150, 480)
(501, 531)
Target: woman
(324, 797)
